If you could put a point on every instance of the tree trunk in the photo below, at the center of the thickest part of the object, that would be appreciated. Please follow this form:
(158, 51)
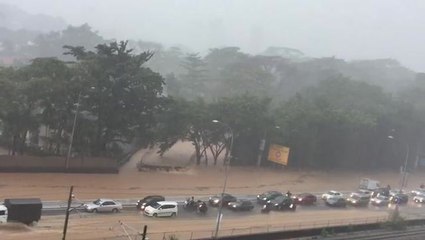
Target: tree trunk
(198, 154)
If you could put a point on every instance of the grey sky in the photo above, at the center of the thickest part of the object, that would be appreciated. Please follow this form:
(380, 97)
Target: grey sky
(350, 29)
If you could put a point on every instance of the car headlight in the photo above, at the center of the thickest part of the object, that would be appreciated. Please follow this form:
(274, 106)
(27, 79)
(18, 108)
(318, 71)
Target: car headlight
(264, 198)
(354, 201)
(300, 199)
(216, 200)
(258, 196)
(268, 201)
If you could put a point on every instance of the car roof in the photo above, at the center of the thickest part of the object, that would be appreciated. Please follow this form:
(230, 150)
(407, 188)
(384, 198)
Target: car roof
(333, 191)
(106, 200)
(167, 202)
(271, 192)
(153, 197)
(305, 194)
(243, 200)
(3, 207)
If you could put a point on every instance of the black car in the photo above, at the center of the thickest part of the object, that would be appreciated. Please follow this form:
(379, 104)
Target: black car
(241, 205)
(281, 203)
(358, 200)
(148, 201)
(215, 200)
(399, 198)
(264, 197)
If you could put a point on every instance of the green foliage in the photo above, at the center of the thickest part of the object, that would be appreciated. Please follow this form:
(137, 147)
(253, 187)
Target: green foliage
(118, 98)
(333, 123)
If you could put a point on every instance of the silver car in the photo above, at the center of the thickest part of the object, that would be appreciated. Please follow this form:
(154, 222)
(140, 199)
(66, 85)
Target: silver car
(103, 205)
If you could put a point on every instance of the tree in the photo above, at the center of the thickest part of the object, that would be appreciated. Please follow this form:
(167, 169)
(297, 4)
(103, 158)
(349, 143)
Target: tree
(18, 112)
(184, 120)
(124, 98)
(193, 80)
(248, 116)
(337, 124)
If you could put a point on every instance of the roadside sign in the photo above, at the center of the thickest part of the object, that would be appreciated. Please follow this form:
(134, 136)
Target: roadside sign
(278, 154)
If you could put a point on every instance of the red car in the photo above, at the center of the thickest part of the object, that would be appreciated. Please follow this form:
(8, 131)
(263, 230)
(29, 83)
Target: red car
(304, 199)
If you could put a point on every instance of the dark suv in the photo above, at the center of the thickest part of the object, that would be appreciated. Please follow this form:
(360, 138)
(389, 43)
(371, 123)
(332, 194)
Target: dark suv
(148, 201)
(280, 203)
(264, 197)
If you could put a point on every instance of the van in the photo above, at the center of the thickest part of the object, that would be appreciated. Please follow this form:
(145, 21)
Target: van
(3, 214)
(161, 209)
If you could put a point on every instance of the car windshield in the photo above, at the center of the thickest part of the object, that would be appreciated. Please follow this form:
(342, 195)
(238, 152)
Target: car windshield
(355, 196)
(156, 205)
(271, 194)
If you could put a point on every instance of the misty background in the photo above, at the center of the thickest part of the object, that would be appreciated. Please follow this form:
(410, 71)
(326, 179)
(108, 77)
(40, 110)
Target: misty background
(348, 29)
(337, 77)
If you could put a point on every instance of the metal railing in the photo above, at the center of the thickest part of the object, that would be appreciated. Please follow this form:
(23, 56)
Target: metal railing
(189, 235)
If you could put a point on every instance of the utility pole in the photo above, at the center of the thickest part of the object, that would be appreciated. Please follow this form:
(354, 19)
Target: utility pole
(261, 148)
(226, 166)
(65, 226)
(145, 228)
(403, 180)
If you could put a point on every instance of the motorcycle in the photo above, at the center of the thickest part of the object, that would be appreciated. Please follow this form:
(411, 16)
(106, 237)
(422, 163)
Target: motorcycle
(189, 204)
(201, 208)
(265, 208)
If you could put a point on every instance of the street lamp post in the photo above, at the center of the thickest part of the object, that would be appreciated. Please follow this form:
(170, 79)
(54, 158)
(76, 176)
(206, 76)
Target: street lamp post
(73, 131)
(262, 146)
(226, 164)
(404, 167)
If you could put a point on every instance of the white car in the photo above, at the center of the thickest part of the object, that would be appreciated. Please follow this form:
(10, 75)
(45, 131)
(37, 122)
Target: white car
(103, 205)
(331, 194)
(3, 214)
(420, 198)
(418, 191)
(162, 209)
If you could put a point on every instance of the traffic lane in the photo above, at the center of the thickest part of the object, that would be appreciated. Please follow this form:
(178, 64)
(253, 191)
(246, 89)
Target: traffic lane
(410, 209)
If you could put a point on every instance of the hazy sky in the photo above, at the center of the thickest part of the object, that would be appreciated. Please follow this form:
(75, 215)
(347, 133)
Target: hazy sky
(350, 29)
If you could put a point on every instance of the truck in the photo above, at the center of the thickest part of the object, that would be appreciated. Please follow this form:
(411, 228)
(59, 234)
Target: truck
(368, 184)
(24, 210)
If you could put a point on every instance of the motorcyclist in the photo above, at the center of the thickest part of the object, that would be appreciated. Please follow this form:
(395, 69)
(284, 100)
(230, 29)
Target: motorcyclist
(202, 207)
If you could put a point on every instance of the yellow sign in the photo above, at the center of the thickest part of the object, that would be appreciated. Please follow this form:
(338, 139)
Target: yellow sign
(279, 154)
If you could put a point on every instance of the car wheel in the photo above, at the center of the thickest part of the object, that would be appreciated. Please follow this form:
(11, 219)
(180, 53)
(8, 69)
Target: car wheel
(173, 214)
(94, 210)
(114, 210)
(155, 215)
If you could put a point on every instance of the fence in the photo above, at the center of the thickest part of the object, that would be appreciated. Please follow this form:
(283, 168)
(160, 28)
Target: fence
(189, 235)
